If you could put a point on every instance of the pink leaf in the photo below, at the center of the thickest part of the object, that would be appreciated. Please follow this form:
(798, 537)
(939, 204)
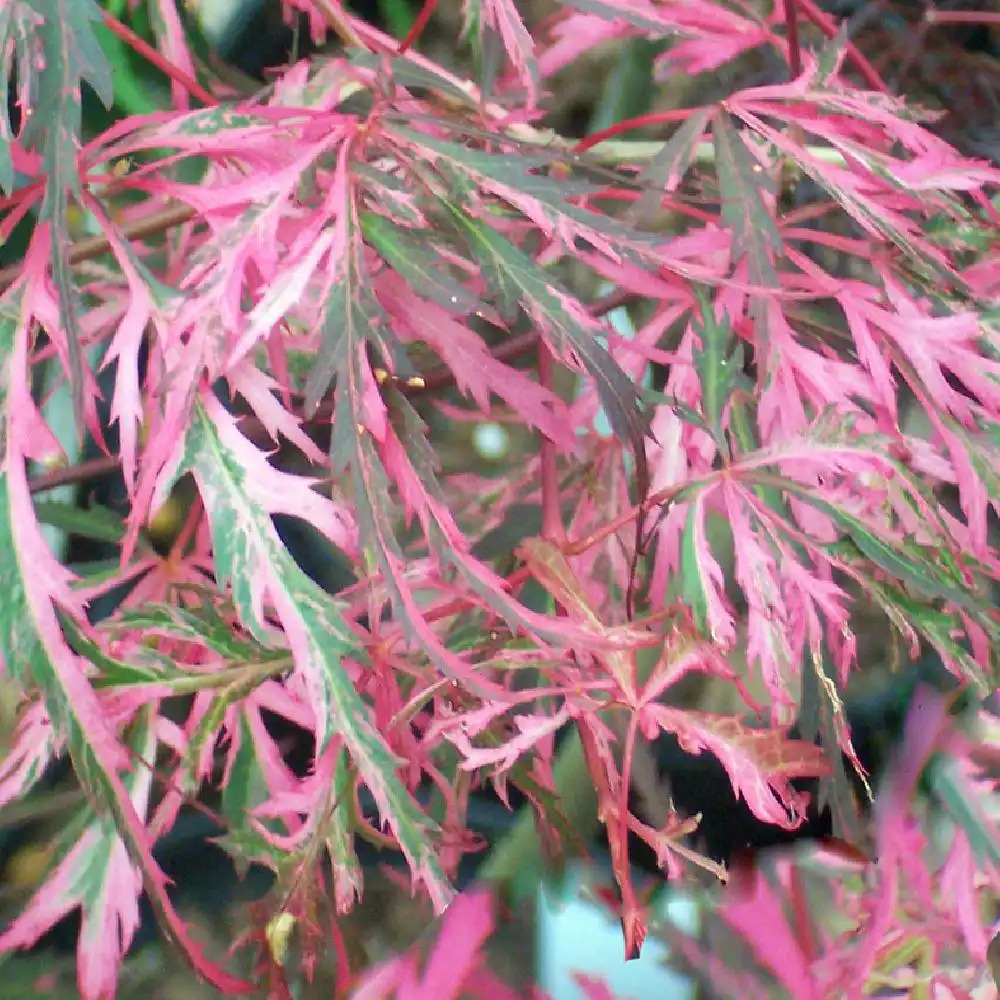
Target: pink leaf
(760, 763)
(465, 926)
(757, 913)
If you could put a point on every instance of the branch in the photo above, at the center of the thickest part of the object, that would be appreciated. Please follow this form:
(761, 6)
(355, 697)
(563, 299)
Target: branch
(175, 73)
(94, 246)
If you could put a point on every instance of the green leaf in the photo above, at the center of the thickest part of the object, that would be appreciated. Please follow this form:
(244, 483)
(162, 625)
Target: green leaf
(668, 166)
(115, 672)
(830, 56)
(718, 372)
(932, 572)
(965, 805)
(334, 829)
(410, 253)
(744, 184)
(911, 616)
(250, 556)
(524, 178)
(352, 316)
(34, 650)
(874, 217)
(822, 719)
(91, 870)
(245, 790)
(247, 786)
(222, 118)
(99, 523)
(693, 585)
(563, 323)
(418, 76)
(149, 666)
(612, 10)
(208, 725)
(71, 55)
(683, 411)
(742, 430)
(202, 625)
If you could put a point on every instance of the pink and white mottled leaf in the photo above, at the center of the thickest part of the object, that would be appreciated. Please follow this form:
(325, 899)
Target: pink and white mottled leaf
(240, 491)
(760, 763)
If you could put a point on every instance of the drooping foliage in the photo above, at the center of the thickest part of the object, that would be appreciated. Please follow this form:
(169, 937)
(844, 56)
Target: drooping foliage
(291, 293)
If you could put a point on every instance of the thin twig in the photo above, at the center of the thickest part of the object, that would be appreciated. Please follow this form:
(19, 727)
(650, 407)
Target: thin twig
(91, 468)
(94, 246)
(792, 29)
(418, 25)
(151, 55)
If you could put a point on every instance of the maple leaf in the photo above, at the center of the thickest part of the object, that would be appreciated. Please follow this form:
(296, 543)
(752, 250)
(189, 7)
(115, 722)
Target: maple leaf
(760, 763)
(500, 24)
(165, 20)
(241, 491)
(352, 319)
(527, 183)
(639, 13)
(702, 579)
(565, 325)
(407, 454)
(147, 302)
(477, 372)
(33, 647)
(71, 54)
(18, 23)
(746, 191)
(324, 797)
(876, 215)
(371, 204)
(452, 962)
(31, 750)
(92, 870)
(758, 912)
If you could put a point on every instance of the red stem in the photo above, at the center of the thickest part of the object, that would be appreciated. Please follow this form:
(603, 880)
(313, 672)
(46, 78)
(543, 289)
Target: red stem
(574, 548)
(18, 198)
(625, 785)
(418, 25)
(640, 121)
(140, 45)
(792, 28)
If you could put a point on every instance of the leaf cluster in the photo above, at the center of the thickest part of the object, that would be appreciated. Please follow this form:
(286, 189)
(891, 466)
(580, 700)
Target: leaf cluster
(276, 303)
